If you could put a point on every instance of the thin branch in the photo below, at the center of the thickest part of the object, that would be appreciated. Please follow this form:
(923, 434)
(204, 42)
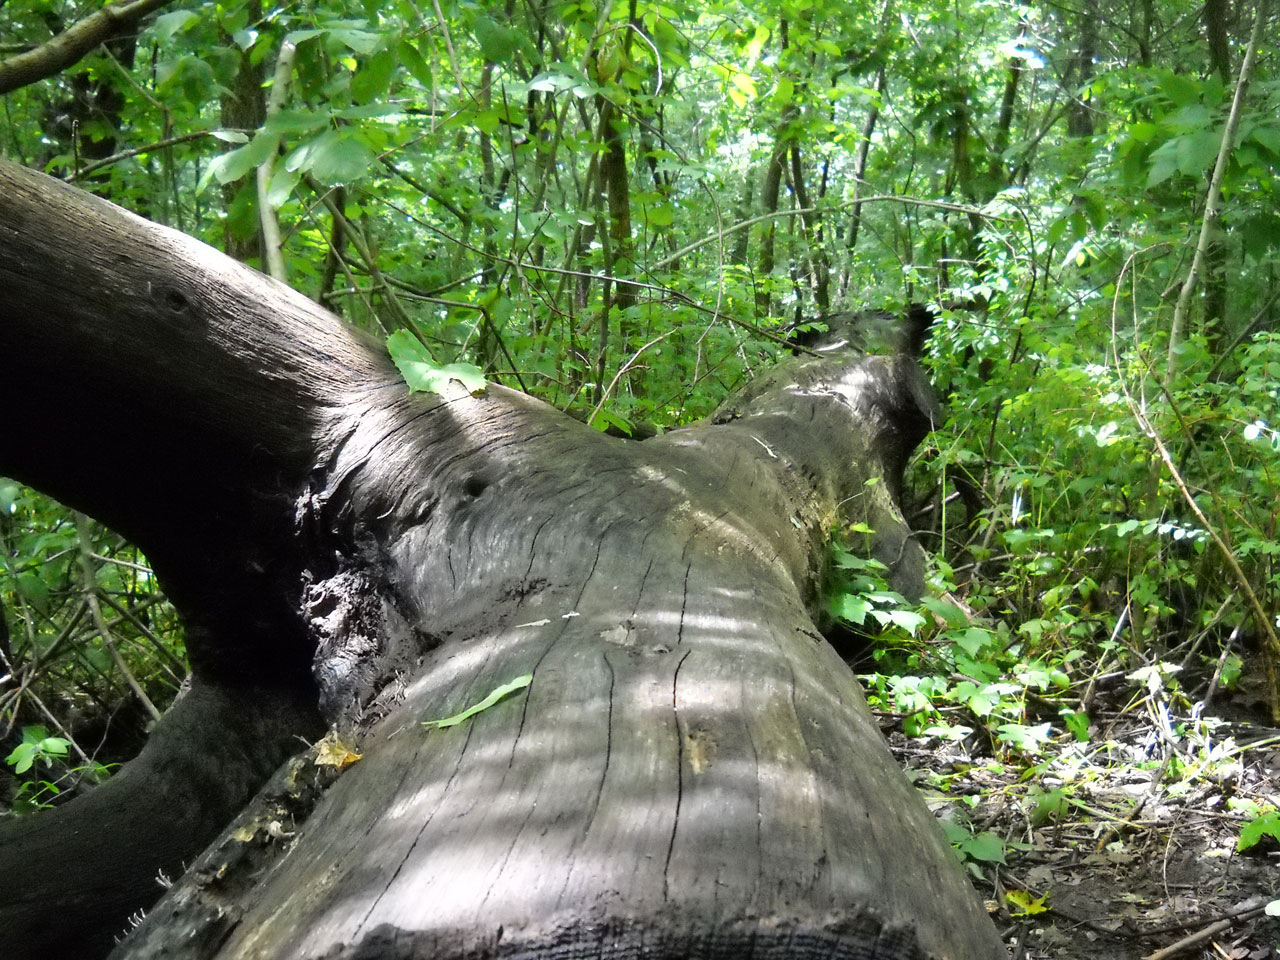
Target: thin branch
(73, 44)
(1245, 911)
(362, 247)
(136, 151)
(271, 239)
(488, 322)
(100, 622)
(622, 370)
(801, 211)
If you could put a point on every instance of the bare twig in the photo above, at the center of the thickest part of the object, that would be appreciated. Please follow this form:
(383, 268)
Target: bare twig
(801, 211)
(622, 370)
(100, 623)
(148, 148)
(366, 254)
(1245, 911)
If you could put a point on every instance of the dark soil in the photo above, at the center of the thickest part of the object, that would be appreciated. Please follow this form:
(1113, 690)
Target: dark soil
(1140, 858)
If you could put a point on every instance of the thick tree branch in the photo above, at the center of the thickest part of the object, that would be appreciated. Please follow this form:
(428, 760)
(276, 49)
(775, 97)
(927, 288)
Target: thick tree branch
(71, 45)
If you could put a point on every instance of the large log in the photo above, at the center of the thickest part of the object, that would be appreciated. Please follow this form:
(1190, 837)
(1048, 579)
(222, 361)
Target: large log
(692, 770)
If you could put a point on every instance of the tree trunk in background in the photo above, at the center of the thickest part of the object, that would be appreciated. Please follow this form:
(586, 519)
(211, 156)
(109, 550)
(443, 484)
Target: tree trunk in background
(769, 195)
(692, 771)
(244, 107)
(1146, 31)
(816, 258)
(1080, 74)
(1214, 16)
(998, 166)
(859, 178)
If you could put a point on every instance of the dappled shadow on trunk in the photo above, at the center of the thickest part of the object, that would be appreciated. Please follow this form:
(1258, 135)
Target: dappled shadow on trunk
(692, 766)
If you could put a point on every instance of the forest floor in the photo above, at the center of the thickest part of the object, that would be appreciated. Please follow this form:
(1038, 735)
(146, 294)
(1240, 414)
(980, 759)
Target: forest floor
(1125, 847)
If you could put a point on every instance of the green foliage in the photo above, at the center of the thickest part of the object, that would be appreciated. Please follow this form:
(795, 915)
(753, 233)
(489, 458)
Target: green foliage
(983, 847)
(1264, 826)
(58, 662)
(37, 753)
(420, 372)
(36, 747)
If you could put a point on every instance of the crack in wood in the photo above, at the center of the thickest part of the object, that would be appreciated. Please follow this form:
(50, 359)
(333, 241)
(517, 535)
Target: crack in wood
(675, 822)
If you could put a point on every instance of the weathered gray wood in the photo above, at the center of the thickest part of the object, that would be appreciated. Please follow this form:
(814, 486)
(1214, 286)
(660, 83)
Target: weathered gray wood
(692, 771)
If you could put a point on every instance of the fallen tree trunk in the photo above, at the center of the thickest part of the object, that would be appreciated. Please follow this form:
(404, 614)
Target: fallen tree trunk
(691, 770)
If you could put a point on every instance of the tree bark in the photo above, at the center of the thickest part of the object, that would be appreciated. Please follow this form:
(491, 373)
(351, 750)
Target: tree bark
(1079, 75)
(769, 195)
(73, 44)
(692, 770)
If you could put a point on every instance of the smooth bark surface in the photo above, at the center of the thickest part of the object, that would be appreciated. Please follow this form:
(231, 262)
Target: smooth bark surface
(692, 770)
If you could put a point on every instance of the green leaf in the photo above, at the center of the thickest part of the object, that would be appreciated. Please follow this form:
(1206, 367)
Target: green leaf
(233, 165)
(946, 611)
(1252, 833)
(1026, 738)
(487, 121)
(1077, 723)
(298, 36)
(422, 373)
(1260, 234)
(972, 640)
(497, 43)
(361, 41)
(33, 590)
(22, 757)
(1197, 152)
(659, 214)
(985, 846)
(373, 79)
(1268, 137)
(604, 419)
(519, 683)
(166, 25)
(297, 121)
(908, 620)
(415, 64)
(850, 607)
(336, 156)
(1050, 805)
(36, 745)
(283, 180)
(1181, 88)
(784, 93)
(1164, 163)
